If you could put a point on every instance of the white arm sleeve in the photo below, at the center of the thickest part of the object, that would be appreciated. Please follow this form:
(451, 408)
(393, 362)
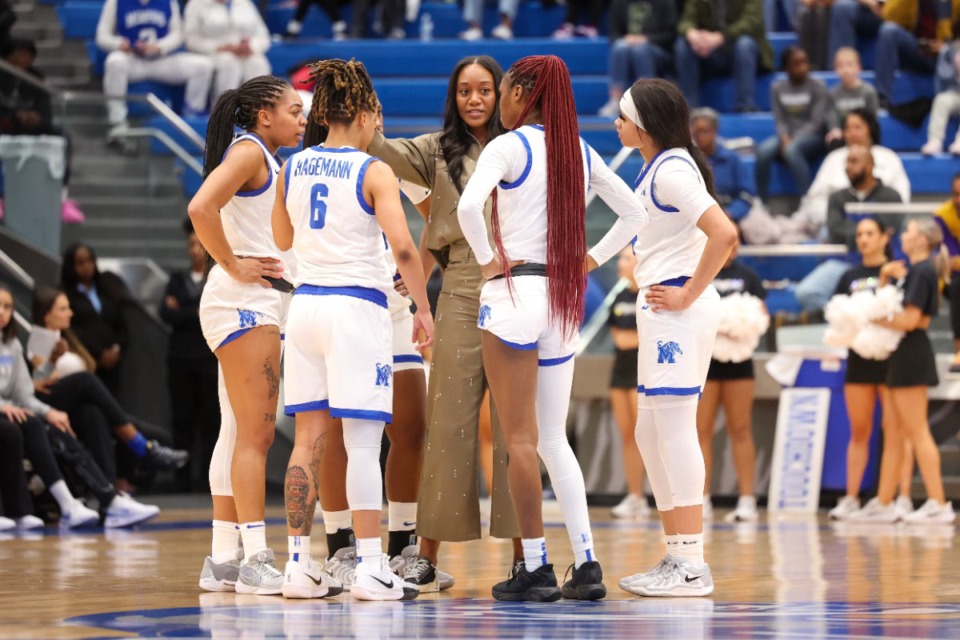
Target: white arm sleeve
(107, 38)
(678, 185)
(631, 214)
(174, 37)
(494, 164)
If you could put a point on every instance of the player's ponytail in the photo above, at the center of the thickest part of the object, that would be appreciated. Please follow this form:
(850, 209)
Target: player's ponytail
(547, 82)
(238, 108)
(933, 234)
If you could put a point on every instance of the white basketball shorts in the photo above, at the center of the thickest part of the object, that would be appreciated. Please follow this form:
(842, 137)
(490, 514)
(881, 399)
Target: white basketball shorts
(228, 308)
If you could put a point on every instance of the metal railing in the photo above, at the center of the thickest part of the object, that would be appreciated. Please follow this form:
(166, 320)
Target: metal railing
(905, 208)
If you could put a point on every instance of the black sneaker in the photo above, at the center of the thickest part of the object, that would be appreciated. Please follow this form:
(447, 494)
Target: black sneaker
(523, 585)
(162, 457)
(586, 583)
(421, 573)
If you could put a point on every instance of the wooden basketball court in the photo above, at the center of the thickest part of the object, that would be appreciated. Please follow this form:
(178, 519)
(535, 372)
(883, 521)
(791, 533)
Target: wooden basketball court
(776, 579)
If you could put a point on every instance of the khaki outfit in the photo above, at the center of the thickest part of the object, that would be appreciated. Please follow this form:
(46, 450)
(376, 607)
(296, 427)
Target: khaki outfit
(449, 507)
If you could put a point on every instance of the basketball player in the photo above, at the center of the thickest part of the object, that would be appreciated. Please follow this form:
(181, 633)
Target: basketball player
(241, 312)
(532, 304)
(334, 202)
(678, 256)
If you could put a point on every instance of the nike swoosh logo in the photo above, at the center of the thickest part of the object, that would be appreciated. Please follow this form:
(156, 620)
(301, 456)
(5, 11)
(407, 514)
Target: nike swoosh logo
(409, 524)
(388, 586)
(316, 581)
(693, 578)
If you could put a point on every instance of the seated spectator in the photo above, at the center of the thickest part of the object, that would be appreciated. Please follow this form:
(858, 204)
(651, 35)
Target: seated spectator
(947, 102)
(330, 7)
(948, 217)
(731, 182)
(575, 9)
(813, 21)
(728, 41)
(641, 36)
(389, 21)
(851, 93)
(815, 290)
(799, 110)
(143, 38)
(191, 367)
(850, 18)
(233, 35)
(910, 38)
(24, 108)
(473, 14)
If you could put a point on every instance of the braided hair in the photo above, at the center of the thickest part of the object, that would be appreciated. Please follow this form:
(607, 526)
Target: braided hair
(343, 89)
(239, 108)
(547, 82)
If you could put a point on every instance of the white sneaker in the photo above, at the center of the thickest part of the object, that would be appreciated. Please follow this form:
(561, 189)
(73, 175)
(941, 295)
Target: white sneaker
(308, 579)
(632, 506)
(642, 579)
(502, 32)
(846, 506)
(932, 148)
(683, 580)
(746, 511)
(610, 109)
(6, 524)
(873, 511)
(79, 515)
(125, 511)
(932, 512)
(343, 565)
(472, 34)
(28, 522)
(904, 506)
(707, 508)
(375, 581)
(955, 148)
(259, 575)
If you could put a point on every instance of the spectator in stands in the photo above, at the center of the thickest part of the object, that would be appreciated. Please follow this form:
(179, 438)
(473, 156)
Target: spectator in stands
(948, 217)
(97, 300)
(850, 18)
(575, 9)
(815, 290)
(473, 14)
(191, 366)
(143, 38)
(232, 35)
(910, 37)
(799, 109)
(851, 93)
(389, 18)
(731, 182)
(947, 102)
(813, 21)
(722, 37)
(641, 36)
(24, 108)
(330, 7)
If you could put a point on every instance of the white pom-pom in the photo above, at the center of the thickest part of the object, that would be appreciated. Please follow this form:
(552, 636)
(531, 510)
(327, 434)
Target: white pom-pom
(873, 341)
(743, 320)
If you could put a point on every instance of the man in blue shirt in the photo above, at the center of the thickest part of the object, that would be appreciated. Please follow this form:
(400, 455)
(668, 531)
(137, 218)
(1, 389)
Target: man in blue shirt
(731, 181)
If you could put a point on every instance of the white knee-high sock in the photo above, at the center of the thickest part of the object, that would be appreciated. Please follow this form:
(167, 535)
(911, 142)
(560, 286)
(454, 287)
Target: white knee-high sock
(553, 400)
(676, 424)
(648, 442)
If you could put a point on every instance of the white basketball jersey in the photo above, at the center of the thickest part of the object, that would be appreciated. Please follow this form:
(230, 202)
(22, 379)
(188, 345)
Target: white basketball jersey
(522, 194)
(246, 217)
(671, 244)
(337, 241)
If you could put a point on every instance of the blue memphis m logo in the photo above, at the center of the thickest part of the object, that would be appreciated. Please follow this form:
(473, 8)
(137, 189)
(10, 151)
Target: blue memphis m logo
(384, 373)
(667, 352)
(484, 315)
(248, 318)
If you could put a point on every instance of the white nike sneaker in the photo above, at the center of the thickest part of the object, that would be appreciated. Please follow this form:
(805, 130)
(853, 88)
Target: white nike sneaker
(684, 580)
(746, 511)
(632, 506)
(873, 511)
(904, 506)
(375, 581)
(651, 575)
(79, 515)
(124, 511)
(932, 512)
(343, 566)
(846, 506)
(308, 579)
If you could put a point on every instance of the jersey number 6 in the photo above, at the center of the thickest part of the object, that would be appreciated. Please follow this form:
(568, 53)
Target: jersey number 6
(318, 206)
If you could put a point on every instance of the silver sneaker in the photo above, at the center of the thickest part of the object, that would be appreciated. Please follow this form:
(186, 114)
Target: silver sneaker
(846, 507)
(219, 576)
(343, 566)
(640, 579)
(259, 575)
(684, 580)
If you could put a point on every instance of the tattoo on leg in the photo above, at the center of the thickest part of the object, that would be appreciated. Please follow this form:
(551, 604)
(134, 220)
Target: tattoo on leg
(297, 492)
(269, 417)
(319, 450)
(273, 380)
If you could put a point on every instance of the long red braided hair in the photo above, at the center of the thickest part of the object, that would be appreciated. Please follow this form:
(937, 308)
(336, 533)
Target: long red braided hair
(547, 82)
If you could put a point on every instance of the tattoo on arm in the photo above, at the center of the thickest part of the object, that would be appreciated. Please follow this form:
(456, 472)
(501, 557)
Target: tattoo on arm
(273, 380)
(297, 493)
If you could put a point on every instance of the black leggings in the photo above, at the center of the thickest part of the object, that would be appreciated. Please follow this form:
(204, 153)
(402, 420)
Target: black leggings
(81, 466)
(331, 7)
(36, 448)
(14, 498)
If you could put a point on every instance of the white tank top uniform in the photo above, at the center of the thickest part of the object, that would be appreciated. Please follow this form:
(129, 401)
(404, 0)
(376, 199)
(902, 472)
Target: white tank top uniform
(228, 308)
(675, 347)
(516, 165)
(339, 334)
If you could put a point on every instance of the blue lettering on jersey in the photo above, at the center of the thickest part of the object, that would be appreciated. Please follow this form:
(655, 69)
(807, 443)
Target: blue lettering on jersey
(667, 352)
(143, 21)
(384, 373)
(484, 315)
(248, 318)
(324, 167)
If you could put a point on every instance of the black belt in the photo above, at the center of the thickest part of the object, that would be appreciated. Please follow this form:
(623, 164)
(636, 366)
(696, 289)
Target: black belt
(525, 269)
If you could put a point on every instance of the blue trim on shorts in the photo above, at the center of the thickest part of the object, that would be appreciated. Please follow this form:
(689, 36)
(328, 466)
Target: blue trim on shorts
(303, 407)
(375, 296)
(363, 202)
(233, 336)
(408, 358)
(518, 346)
(669, 391)
(362, 414)
(675, 282)
(526, 169)
(552, 362)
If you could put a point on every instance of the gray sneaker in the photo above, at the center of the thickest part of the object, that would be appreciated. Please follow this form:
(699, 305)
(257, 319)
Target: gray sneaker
(260, 576)
(640, 579)
(683, 580)
(343, 566)
(219, 576)
(409, 557)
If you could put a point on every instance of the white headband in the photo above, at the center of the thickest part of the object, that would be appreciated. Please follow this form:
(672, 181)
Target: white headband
(629, 109)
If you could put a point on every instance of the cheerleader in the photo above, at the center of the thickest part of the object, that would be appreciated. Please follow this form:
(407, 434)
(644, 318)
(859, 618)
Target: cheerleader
(532, 304)
(681, 251)
(731, 383)
(241, 312)
(912, 368)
